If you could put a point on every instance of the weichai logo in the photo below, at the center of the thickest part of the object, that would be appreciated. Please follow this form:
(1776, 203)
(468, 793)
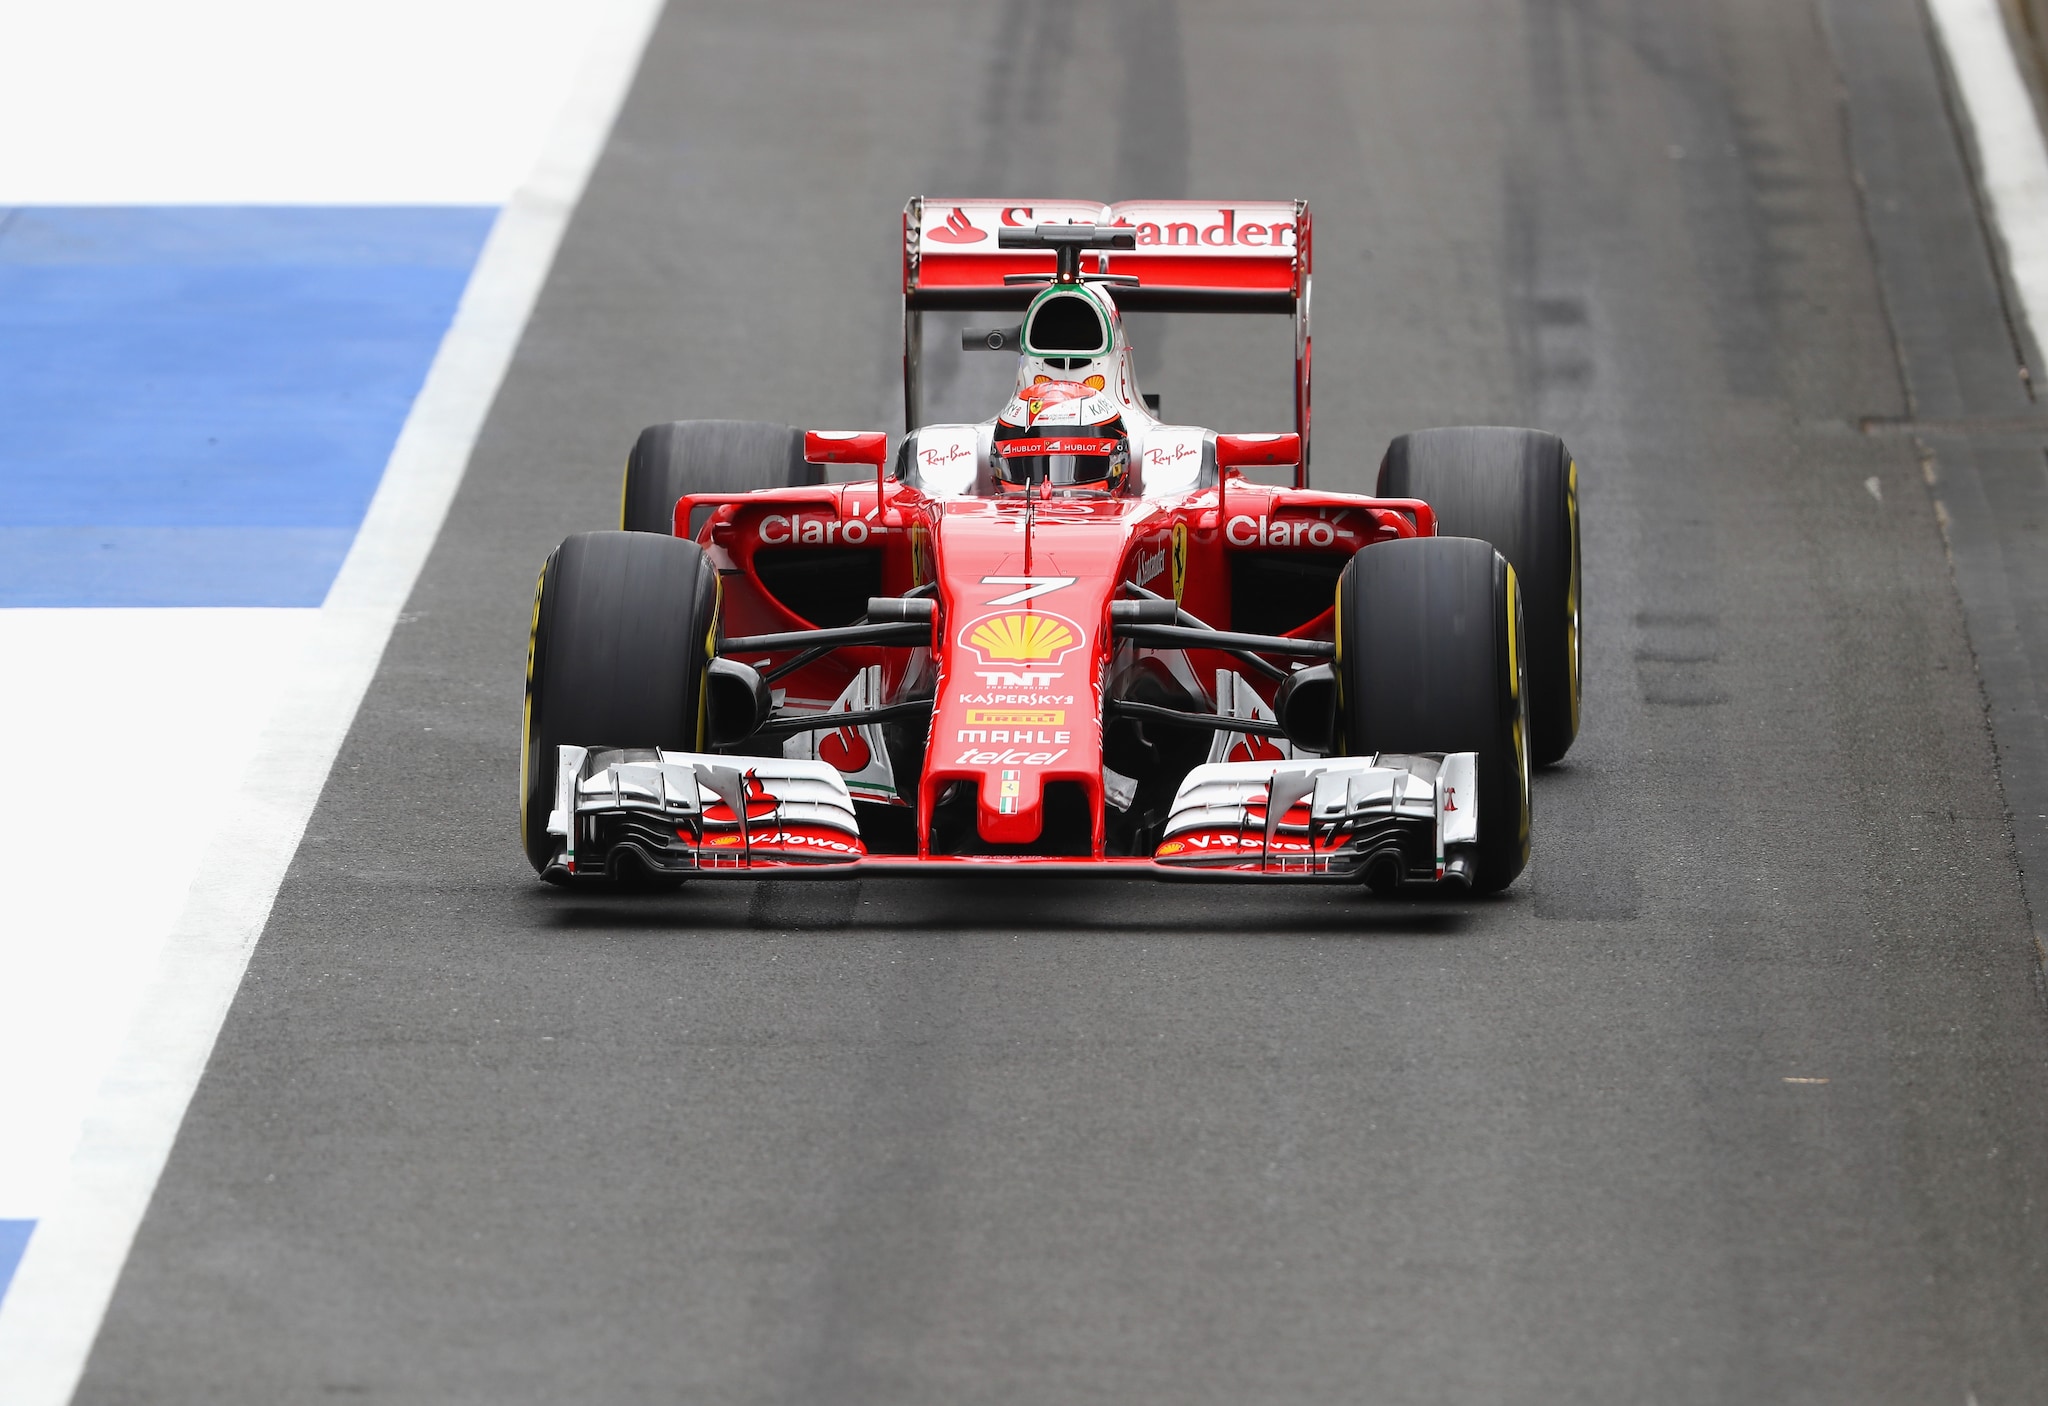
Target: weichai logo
(1021, 637)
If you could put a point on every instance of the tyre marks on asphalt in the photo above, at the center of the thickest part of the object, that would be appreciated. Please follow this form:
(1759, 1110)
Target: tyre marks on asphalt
(1676, 653)
(1961, 347)
(1757, 622)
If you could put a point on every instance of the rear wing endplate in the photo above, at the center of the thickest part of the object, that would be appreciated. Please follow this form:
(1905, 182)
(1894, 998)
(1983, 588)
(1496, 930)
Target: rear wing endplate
(1246, 256)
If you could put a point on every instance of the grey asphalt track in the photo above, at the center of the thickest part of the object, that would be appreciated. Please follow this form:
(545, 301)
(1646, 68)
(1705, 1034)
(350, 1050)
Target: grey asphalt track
(469, 1139)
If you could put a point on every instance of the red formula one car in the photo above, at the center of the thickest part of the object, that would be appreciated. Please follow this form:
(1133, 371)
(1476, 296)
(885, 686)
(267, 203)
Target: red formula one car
(1071, 636)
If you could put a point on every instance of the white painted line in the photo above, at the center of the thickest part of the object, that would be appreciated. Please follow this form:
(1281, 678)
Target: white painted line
(53, 1310)
(2012, 160)
(76, 957)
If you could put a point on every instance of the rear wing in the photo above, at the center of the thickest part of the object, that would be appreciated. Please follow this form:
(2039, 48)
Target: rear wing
(1191, 256)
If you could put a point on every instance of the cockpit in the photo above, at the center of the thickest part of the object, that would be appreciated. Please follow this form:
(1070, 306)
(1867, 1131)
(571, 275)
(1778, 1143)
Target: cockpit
(1075, 422)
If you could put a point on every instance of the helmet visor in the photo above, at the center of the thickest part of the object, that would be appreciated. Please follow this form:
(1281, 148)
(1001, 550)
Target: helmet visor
(1065, 461)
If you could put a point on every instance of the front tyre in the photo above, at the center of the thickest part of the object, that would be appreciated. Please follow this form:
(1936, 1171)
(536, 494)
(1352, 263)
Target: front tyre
(1431, 658)
(707, 456)
(624, 626)
(1519, 490)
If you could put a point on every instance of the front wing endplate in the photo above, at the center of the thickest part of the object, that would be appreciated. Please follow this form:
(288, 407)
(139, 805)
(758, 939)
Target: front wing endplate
(1330, 817)
(683, 813)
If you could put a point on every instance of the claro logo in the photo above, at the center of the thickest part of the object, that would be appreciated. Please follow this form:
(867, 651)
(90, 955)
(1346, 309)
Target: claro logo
(1279, 532)
(779, 529)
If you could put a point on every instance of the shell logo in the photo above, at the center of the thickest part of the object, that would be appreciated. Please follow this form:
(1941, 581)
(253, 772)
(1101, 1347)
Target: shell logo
(1172, 847)
(1021, 637)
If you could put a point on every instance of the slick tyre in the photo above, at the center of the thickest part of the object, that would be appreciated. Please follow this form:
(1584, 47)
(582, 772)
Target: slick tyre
(707, 456)
(624, 626)
(1519, 490)
(1430, 658)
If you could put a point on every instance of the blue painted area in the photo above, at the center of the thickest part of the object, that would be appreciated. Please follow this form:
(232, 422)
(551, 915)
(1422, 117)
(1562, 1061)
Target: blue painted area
(13, 1245)
(197, 403)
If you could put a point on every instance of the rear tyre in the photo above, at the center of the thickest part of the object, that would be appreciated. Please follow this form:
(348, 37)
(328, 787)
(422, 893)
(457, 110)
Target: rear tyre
(707, 456)
(1430, 658)
(1519, 490)
(624, 626)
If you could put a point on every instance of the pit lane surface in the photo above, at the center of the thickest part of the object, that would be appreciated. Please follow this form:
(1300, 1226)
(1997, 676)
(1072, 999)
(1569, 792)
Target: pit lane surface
(467, 1138)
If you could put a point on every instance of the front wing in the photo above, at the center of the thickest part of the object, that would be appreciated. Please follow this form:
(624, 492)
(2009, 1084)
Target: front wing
(1385, 820)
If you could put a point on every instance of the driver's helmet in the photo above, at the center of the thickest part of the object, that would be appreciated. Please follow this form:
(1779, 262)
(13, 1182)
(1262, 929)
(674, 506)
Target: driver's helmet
(1064, 433)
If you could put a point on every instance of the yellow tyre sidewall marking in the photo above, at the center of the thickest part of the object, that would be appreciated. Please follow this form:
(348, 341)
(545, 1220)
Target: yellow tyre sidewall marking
(1571, 511)
(710, 653)
(1521, 719)
(1337, 661)
(526, 708)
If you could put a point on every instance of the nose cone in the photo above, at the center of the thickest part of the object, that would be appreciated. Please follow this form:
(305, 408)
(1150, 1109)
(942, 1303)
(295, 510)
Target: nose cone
(1025, 593)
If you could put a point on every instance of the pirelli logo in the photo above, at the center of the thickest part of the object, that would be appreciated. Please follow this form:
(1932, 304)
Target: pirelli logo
(1016, 717)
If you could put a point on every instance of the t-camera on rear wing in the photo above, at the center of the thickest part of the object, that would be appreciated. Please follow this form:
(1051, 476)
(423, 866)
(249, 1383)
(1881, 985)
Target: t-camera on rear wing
(1186, 256)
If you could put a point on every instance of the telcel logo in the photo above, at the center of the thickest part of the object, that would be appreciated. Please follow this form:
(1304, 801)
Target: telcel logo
(778, 529)
(1277, 532)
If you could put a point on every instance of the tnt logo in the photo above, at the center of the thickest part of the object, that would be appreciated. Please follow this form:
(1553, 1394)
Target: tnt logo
(1003, 678)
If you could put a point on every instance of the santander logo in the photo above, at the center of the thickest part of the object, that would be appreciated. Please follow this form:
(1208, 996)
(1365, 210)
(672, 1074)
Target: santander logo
(1227, 232)
(958, 229)
(847, 750)
(1255, 749)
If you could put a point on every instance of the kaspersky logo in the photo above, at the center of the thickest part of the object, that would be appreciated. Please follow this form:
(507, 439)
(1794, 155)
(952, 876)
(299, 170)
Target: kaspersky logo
(957, 229)
(1021, 637)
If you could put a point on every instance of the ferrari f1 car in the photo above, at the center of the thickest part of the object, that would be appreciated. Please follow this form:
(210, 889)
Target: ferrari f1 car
(1072, 637)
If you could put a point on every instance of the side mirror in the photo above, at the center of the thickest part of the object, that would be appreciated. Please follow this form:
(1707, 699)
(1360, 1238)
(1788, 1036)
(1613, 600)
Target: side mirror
(870, 447)
(1307, 707)
(1245, 451)
(739, 701)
